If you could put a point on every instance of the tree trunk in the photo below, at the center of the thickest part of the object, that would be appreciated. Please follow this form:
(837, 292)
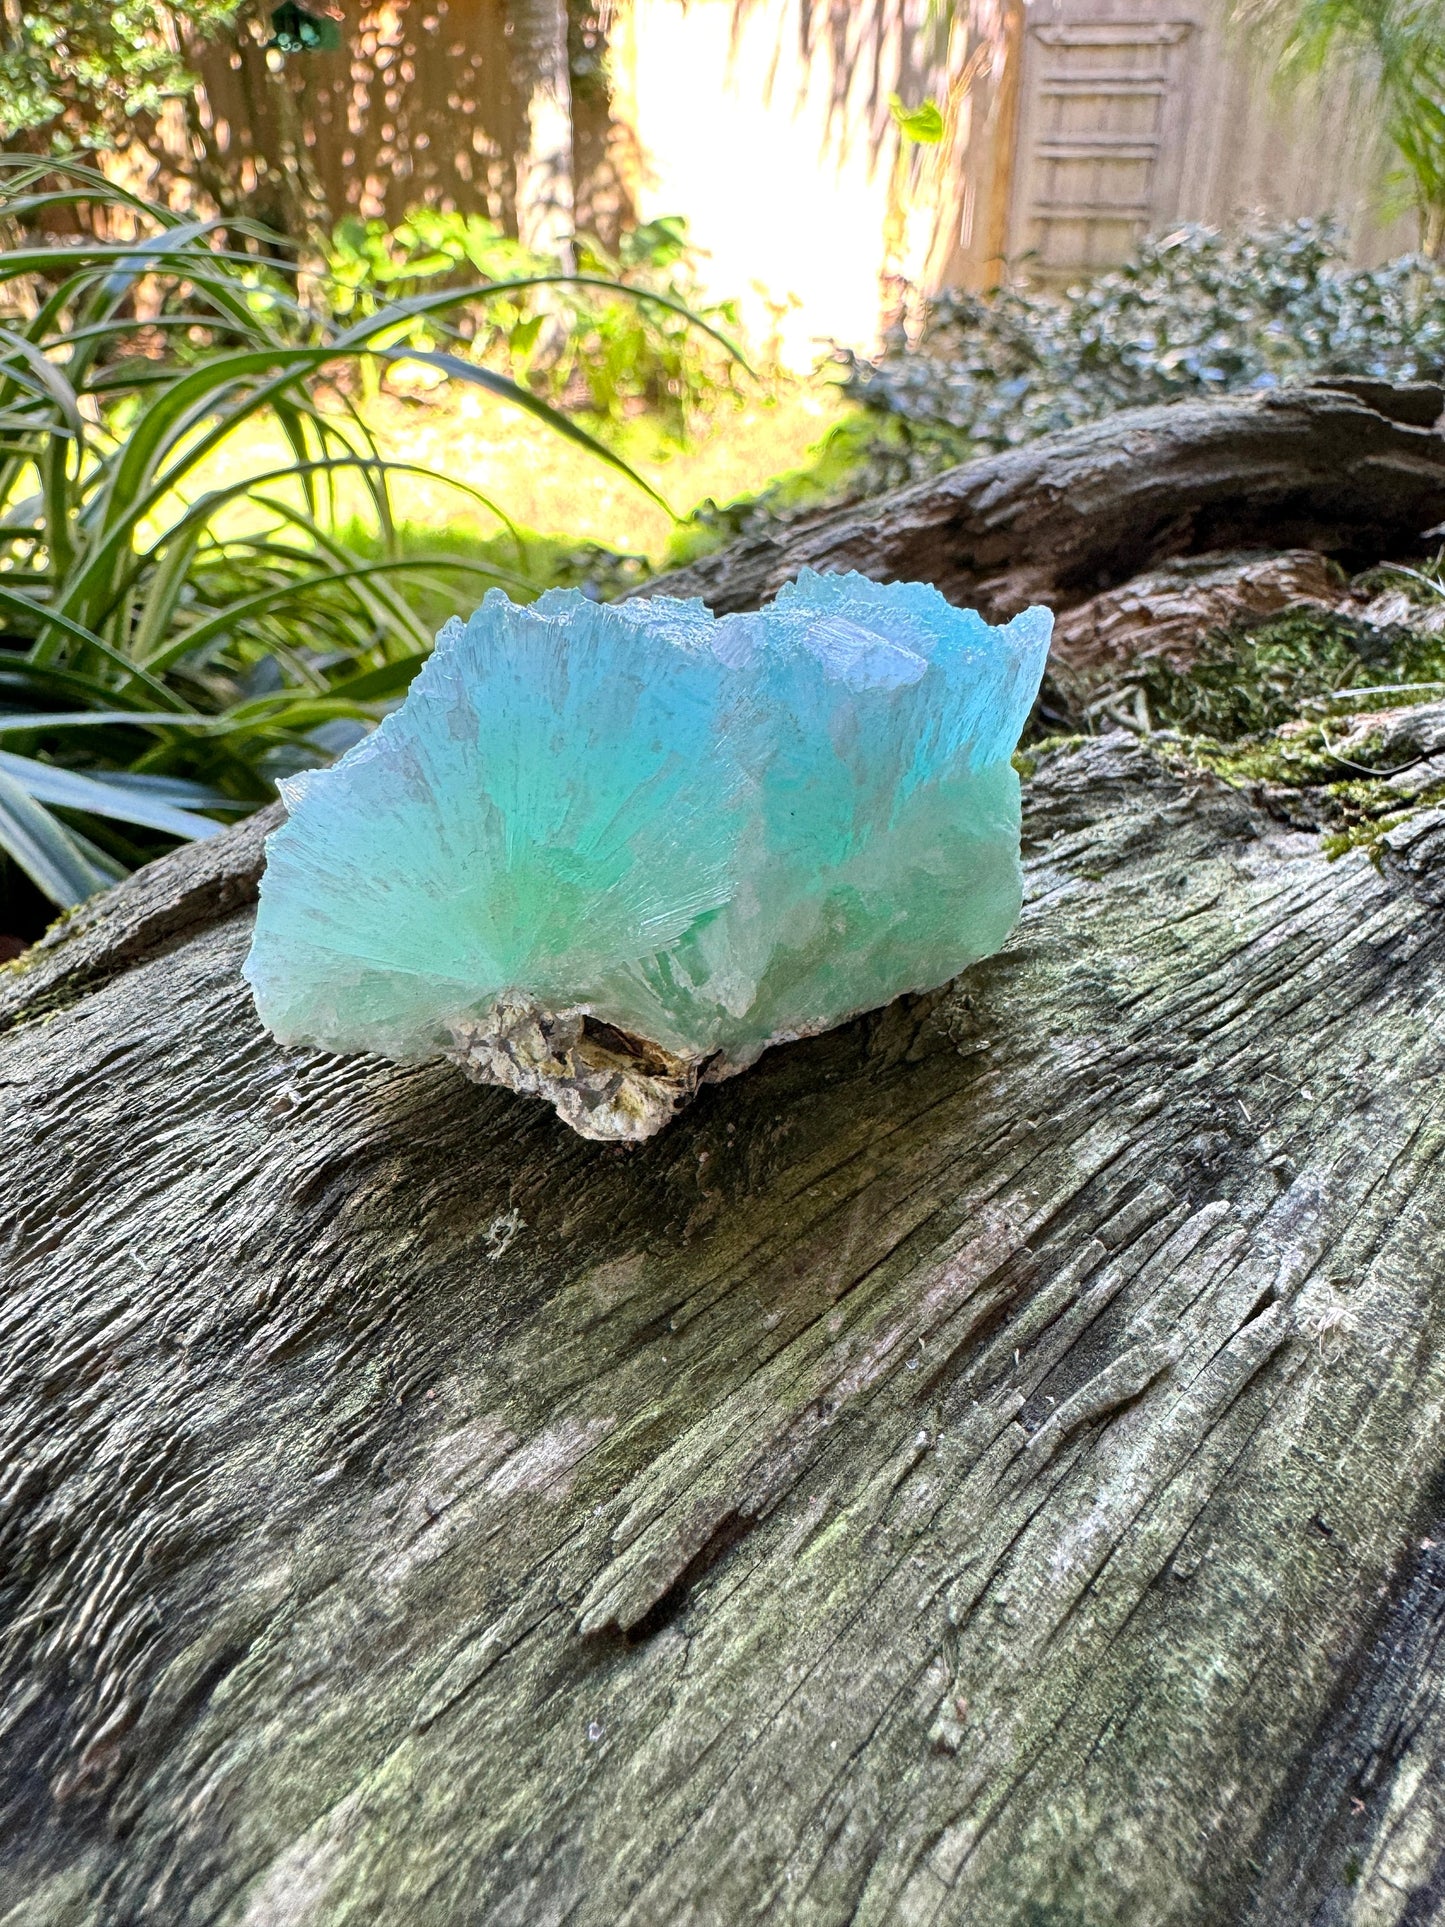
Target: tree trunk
(540, 77)
(982, 1466)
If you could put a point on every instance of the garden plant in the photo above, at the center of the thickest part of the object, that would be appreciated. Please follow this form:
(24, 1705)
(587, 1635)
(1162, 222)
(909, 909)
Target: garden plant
(177, 636)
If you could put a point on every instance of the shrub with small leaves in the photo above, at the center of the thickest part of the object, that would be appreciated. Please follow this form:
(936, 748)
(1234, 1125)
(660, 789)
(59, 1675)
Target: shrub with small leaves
(1195, 313)
(84, 73)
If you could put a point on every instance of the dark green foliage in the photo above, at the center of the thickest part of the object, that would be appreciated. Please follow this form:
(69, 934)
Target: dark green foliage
(81, 73)
(1195, 313)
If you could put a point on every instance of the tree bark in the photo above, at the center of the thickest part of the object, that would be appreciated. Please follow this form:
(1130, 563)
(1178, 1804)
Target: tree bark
(1355, 469)
(982, 1466)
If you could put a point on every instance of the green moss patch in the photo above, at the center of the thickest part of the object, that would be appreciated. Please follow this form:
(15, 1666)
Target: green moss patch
(1256, 677)
(1281, 708)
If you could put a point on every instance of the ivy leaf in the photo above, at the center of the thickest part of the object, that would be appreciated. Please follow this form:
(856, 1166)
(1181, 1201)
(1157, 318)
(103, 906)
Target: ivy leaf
(923, 123)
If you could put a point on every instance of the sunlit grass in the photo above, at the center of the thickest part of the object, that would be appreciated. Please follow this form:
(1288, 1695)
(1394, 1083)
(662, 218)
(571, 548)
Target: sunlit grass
(551, 488)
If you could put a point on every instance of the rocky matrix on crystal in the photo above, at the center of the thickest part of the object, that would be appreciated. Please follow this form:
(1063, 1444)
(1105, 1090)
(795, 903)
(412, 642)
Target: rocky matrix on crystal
(602, 854)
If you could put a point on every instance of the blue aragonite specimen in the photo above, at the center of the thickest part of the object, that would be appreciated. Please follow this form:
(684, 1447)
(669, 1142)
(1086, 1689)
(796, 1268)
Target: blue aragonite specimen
(603, 853)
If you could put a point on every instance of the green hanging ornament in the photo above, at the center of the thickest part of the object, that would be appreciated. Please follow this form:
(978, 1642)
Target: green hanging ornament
(296, 30)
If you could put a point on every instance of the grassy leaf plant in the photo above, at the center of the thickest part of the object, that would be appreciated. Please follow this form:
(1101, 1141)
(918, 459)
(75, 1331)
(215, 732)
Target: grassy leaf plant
(174, 634)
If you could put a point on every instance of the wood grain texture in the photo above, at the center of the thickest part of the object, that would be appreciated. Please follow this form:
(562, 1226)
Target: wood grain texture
(975, 1468)
(1356, 469)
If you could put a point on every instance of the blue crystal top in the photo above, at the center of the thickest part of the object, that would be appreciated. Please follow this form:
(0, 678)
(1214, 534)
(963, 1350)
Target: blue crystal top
(711, 834)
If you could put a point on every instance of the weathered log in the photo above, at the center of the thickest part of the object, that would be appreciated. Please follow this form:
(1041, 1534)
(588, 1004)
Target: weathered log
(1355, 469)
(984, 1465)
(981, 1466)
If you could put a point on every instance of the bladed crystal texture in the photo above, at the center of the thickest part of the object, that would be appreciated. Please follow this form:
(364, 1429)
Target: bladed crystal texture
(603, 853)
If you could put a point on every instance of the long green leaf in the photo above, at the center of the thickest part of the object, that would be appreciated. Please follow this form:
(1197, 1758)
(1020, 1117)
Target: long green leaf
(55, 861)
(200, 634)
(19, 723)
(179, 790)
(134, 488)
(47, 378)
(379, 685)
(70, 789)
(45, 616)
(163, 594)
(205, 506)
(414, 307)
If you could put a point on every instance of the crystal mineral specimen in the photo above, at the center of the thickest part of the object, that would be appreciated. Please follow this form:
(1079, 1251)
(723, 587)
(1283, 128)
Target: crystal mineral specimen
(604, 854)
